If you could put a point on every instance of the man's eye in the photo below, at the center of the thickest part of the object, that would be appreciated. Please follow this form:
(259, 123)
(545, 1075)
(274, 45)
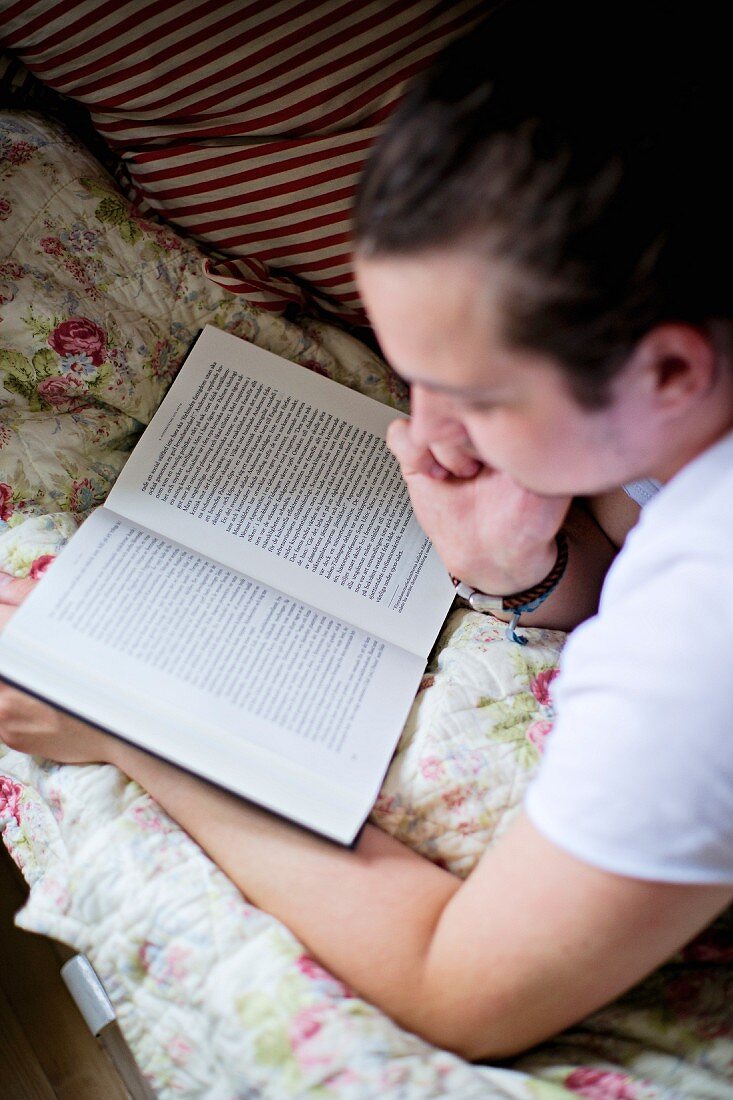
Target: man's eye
(478, 404)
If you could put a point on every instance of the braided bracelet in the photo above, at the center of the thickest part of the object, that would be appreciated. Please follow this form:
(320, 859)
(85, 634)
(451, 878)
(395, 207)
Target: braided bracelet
(520, 602)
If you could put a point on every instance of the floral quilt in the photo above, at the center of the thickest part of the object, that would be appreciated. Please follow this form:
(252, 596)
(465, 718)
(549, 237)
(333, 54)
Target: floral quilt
(217, 999)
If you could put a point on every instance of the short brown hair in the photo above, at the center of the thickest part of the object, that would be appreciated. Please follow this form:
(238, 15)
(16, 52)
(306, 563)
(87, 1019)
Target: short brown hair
(583, 146)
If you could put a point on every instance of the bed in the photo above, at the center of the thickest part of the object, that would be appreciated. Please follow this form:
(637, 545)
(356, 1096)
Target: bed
(215, 998)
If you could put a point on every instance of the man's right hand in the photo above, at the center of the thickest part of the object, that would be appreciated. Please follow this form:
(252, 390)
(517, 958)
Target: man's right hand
(489, 531)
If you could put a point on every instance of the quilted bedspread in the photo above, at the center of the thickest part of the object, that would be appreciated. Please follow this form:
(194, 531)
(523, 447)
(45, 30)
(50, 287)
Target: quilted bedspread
(216, 998)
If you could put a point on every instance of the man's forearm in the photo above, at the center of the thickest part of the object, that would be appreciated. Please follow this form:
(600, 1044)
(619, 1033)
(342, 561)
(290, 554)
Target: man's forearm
(367, 914)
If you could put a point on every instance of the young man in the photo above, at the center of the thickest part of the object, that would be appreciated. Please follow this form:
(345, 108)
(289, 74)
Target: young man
(526, 255)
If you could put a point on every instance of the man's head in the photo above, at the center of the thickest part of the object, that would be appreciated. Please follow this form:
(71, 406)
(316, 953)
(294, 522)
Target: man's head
(568, 174)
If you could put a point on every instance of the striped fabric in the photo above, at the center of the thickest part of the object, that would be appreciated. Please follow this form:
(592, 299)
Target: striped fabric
(243, 124)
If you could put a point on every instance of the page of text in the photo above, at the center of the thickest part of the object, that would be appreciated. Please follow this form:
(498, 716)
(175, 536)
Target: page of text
(298, 488)
(244, 662)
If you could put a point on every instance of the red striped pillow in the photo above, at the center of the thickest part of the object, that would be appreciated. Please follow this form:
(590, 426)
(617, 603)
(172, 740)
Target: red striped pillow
(244, 124)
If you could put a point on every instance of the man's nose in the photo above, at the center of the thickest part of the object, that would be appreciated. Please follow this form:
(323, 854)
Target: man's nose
(433, 418)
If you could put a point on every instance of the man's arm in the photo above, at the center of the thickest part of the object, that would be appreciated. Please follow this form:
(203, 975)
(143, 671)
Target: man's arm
(531, 942)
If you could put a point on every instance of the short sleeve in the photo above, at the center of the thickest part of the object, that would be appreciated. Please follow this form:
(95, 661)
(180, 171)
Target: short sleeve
(638, 775)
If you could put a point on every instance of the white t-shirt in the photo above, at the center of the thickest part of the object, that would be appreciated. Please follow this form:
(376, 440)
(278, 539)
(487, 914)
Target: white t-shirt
(638, 774)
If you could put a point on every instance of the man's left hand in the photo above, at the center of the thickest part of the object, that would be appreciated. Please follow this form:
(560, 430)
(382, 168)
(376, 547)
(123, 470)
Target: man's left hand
(30, 726)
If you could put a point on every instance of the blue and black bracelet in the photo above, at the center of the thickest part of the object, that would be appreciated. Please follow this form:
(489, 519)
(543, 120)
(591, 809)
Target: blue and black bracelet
(520, 602)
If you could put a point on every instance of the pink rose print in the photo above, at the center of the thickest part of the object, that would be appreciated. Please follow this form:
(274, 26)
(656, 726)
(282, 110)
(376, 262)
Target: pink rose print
(20, 152)
(599, 1084)
(538, 732)
(315, 366)
(10, 799)
(52, 246)
(151, 819)
(179, 1049)
(431, 767)
(67, 390)
(40, 565)
(385, 804)
(6, 501)
(5, 210)
(80, 336)
(454, 798)
(308, 966)
(313, 970)
(540, 686)
(303, 1027)
(11, 270)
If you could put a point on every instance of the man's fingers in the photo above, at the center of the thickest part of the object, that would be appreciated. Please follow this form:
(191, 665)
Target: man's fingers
(412, 459)
(456, 460)
(438, 461)
(15, 590)
(12, 593)
(6, 613)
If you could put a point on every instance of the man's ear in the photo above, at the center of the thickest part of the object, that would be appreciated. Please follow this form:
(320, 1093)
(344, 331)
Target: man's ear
(678, 365)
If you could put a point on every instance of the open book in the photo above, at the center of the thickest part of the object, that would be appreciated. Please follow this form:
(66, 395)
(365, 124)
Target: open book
(256, 600)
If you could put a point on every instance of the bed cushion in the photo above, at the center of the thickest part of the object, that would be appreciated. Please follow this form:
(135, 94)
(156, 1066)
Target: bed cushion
(244, 125)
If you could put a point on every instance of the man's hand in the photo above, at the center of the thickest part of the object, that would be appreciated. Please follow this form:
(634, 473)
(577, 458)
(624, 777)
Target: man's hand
(30, 726)
(13, 590)
(488, 530)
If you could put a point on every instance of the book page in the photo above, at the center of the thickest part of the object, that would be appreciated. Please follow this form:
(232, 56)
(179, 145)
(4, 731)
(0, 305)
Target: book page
(219, 659)
(276, 471)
